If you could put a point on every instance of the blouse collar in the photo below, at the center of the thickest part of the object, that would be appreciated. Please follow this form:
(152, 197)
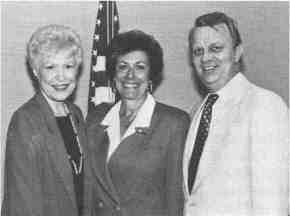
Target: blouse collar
(142, 119)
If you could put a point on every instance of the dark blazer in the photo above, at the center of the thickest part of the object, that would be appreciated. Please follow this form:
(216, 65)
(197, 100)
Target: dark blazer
(38, 175)
(147, 178)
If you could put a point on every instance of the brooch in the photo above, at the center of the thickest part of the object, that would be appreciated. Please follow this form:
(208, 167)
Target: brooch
(142, 130)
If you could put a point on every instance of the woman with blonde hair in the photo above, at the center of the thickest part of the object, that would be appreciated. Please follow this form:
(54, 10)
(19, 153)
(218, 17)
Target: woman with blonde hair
(45, 149)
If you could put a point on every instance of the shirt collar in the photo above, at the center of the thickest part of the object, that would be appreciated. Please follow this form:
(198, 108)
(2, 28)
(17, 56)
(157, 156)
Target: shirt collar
(234, 89)
(143, 117)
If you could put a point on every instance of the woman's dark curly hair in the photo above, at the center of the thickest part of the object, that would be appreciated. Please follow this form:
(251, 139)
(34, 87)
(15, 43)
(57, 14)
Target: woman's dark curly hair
(136, 40)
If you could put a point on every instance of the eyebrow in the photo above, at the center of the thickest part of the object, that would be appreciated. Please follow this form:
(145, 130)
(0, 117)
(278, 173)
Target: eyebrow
(123, 61)
(213, 43)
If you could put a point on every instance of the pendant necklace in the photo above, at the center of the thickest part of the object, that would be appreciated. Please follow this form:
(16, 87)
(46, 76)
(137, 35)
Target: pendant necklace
(77, 169)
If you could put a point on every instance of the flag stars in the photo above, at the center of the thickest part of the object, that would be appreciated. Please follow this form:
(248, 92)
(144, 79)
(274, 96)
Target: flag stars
(98, 22)
(115, 18)
(95, 52)
(95, 68)
(95, 100)
(97, 37)
(101, 6)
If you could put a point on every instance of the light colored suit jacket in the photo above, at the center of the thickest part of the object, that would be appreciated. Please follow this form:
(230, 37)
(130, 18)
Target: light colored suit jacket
(244, 167)
(38, 175)
(149, 168)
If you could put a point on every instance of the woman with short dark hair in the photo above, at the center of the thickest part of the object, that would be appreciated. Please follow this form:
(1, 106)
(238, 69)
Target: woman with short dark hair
(136, 144)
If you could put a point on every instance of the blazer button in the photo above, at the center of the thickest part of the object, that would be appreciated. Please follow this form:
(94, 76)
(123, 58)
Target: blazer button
(100, 204)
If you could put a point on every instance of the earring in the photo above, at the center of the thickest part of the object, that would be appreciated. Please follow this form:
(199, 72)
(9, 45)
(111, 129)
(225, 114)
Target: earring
(150, 86)
(112, 91)
(112, 85)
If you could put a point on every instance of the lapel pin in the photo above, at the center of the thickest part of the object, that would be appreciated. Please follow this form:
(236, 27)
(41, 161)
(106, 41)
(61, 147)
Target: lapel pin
(141, 130)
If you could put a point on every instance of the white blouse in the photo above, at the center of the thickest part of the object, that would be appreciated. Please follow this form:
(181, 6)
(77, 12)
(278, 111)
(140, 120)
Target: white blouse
(112, 121)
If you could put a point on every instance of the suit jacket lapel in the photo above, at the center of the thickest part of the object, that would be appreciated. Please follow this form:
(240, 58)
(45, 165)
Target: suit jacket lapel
(80, 130)
(98, 134)
(188, 149)
(142, 135)
(138, 140)
(98, 145)
(56, 148)
(209, 154)
(213, 148)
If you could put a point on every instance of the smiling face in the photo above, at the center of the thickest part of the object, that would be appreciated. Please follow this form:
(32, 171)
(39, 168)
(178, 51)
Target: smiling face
(131, 78)
(213, 56)
(57, 74)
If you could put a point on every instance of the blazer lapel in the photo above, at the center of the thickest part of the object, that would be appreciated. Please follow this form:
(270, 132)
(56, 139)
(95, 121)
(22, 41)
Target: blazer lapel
(189, 148)
(139, 140)
(56, 148)
(228, 109)
(80, 130)
(98, 145)
(213, 148)
(142, 135)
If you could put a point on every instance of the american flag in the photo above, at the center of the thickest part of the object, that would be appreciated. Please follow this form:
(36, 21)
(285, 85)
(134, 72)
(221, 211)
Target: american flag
(107, 26)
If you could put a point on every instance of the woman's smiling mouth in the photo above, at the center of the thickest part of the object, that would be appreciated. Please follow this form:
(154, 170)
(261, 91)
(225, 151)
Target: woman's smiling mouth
(130, 85)
(60, 87)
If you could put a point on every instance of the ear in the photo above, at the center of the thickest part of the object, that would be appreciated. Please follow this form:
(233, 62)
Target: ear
(238, 52)
(35, 74)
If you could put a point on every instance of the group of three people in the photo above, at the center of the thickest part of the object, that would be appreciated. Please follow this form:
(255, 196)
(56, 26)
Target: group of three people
(139, 156)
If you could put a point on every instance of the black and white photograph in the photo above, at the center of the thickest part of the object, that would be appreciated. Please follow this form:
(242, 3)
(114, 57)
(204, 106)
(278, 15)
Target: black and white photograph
(145, 108)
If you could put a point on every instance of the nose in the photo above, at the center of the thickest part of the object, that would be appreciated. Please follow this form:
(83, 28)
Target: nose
(60, 74)
(131, 73)
(206, 56)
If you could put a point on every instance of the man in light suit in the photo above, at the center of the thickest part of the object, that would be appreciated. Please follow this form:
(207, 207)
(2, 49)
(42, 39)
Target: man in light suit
(236, 154)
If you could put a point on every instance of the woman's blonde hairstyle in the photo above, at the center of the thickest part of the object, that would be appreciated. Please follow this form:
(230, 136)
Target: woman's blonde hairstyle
(49, 40)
